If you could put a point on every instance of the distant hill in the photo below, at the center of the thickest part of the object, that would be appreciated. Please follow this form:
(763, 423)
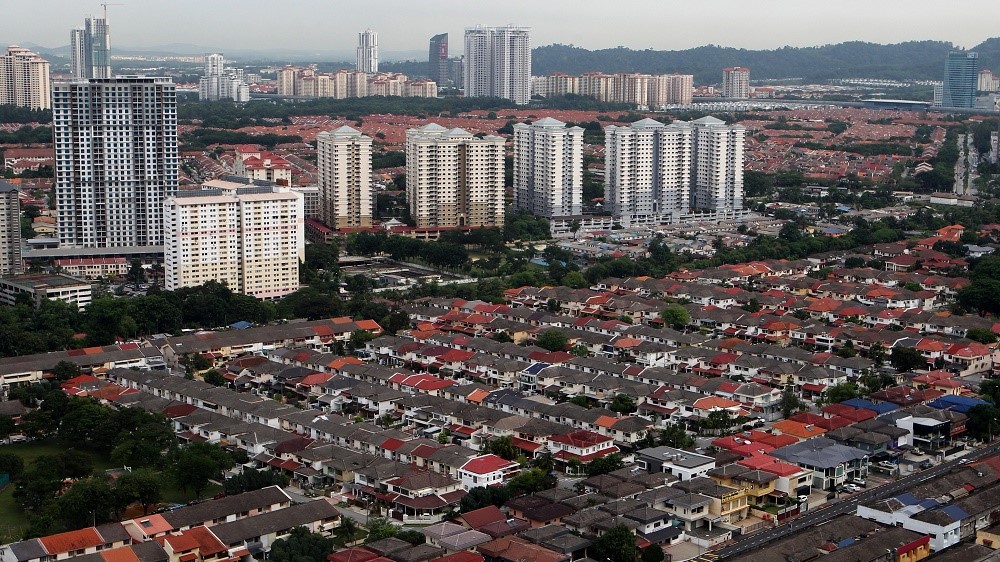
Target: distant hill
(922, 60)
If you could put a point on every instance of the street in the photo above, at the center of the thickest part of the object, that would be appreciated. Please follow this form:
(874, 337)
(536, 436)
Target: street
(827, 513)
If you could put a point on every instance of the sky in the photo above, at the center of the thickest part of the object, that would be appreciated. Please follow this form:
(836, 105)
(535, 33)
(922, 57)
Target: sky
(406, 25)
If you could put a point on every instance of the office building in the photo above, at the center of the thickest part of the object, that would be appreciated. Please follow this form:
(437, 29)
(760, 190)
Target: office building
(454, 178)
(221, 83)
(90, 49)
(961, 77)
(10, 230)
(548, 168)
(647, 171)
(736, 82)
(116, 159)
(498, 63)
(367, 52)
(437, 60)
(249, 238)
(344, 161)
(24, 79)
(717, 164)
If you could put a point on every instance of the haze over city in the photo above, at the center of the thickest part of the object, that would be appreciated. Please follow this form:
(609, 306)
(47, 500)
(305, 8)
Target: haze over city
(404, 25)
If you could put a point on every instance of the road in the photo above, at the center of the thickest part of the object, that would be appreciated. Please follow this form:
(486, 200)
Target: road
(824, 514)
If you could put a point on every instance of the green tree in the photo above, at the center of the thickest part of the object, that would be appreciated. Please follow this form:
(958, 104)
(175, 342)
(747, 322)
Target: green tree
(989, 390)
(552, 339)
(907, 359)
(575, 279)
(250, 480)
(139, 486)
(719, 420)
(12, 465)
(790, 402)
(88, 425)
(136, 273)
(530, 481)
(89, 501)
(675, 315)
(652, 553)
(213, 377)
(983, 422)
(359, 338)
(198, 463)
(624, 404)
(617, 544)
(502, 447)
(65, 370)
(483, 496)
(7, 426)
(301, 545)
(605, 465)
(380, 528)
(981, 335)
(840, 392)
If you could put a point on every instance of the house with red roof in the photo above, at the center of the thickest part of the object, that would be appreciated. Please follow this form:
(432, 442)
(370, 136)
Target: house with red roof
(487, 470)
(581, 446)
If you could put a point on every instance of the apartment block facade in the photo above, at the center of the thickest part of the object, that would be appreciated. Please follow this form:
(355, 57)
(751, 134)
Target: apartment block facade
(736, 82)
(454, 178)
(498, 63)
(548, 168)
(344, 161)
(116, 159)
(24, 79)
(10, 231)
(717, 162)
(251, 239)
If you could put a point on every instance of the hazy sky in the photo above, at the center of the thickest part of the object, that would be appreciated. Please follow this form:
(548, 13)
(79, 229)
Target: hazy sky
(407, 24)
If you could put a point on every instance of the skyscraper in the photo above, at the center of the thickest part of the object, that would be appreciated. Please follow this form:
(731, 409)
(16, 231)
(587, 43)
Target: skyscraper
(24, 79)
(367, 52)
(736, 82)
(221, 83)
(10, 230)
(961, 77)
(647, 171)
(498, 63)
(437, 59)
(116, 159)
(344, 161)
(548, 168)
(717, 164)
(90, 49)
(454, 178)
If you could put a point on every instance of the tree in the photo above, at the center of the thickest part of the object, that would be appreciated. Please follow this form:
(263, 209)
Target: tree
(719, 419)
(674, 435)
(652, 553)
(198, 463)
(502, 447)
(301, 545)
(136, 274)
(213, 377)
(989, 390)
(623, 404)
(981, 335)
(840, 392)
(483, 496)
(88, 502)
(984, 422)
(605, 465)
(530, 481)
(617, 544)
(906, 359)
(411, 536)
(250, 480)
(11, 465)
(7, 426)
(141, 486)
(675, 315)
(575, 279)
(65, 370)
(380, 528)
(552, 339)
(89, 425)
(790, 402)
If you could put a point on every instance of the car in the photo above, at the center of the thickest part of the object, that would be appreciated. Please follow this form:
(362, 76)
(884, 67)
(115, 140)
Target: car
(803, 499)
(858, 482)
(852, 488)
(963, 461)
(926, 464)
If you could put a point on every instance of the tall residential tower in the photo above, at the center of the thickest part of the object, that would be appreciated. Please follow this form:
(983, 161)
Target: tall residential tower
(498, 63)
(90, 49)
(717, 164)
(10, 230)
(367, 52)
(24, 79)
(116, 159)
(548, 168)
(736, 82)
(344, 160)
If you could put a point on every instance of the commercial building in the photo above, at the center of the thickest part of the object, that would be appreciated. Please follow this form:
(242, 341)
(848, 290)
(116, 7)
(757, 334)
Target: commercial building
(498, 63)
(647, 171)
(116, 159)
(548, 168)
(221, 83)
(251, 239)
(454, 178)
(39, 287)
(24, 79)
(90, 49)
(10, 230)
(344, 161)
(367, 60)
(961, 77)
(736, 82)
(717, 165)
(437, 59)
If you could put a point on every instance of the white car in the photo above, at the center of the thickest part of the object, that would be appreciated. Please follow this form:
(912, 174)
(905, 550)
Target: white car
(803, 499)
(852, 488)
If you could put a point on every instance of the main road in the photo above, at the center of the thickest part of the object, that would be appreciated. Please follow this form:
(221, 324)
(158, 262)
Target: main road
(824, 514)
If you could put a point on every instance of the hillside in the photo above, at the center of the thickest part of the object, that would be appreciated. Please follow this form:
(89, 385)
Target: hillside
(911, 60)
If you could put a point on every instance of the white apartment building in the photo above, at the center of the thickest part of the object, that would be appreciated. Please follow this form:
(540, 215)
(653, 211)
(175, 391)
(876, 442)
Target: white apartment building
(644, 90)
(367, 60)
(736, 82)
(548, 168)
(221, 83)
(647, 171)
(498, 63)
(252, 239)
(344, 161)
(10, 230)
(90, 49)
(24, 79)
(718, 165)
(116, 159)
(454, 178)
(988, 82)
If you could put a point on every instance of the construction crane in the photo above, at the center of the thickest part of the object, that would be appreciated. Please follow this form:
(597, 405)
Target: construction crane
(105, 5)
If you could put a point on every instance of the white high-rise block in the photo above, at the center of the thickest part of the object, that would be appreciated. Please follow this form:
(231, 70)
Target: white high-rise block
(548, 168)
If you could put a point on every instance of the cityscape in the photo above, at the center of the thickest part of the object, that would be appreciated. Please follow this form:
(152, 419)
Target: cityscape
(493, 300)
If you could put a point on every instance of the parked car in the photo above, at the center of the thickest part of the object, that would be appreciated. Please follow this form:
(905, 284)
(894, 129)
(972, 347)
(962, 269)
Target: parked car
(926, 464)
(803, 499)
(852, 488)
(858, 482)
